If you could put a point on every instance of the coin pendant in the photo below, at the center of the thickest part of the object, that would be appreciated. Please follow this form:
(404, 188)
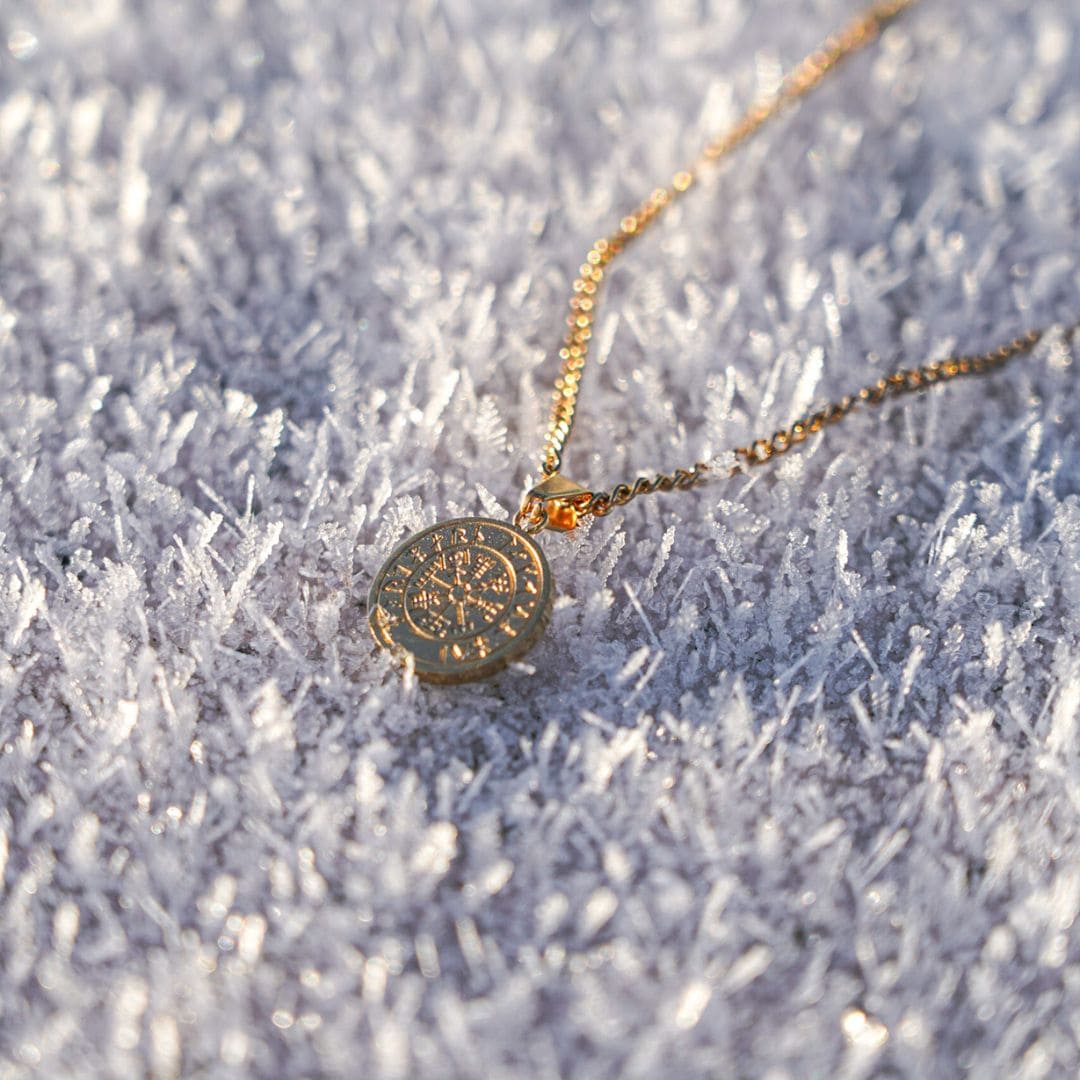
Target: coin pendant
(464, 597)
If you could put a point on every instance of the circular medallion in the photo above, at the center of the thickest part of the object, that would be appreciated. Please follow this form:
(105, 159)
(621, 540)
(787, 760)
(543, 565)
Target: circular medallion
(464, 597)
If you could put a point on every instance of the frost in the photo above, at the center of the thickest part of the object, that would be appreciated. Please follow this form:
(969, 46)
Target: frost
(791, 786)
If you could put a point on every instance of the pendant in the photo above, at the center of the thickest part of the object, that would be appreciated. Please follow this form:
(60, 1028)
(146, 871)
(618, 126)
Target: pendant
(464, 598)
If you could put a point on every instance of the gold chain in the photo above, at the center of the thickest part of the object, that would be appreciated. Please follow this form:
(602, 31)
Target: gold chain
(904, 381)
(556, 502)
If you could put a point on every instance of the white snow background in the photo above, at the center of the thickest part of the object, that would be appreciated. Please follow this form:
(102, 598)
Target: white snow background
(792, 786)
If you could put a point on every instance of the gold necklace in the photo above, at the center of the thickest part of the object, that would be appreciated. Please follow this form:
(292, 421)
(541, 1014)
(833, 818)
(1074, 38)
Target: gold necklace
(465, 597)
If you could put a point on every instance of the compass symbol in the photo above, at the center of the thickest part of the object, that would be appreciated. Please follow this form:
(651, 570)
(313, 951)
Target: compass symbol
(459, 592)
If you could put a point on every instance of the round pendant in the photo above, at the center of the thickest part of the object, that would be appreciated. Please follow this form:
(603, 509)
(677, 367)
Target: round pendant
(464, 597)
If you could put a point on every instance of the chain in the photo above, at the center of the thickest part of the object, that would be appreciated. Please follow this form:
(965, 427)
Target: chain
(904, 381)
(535, 514)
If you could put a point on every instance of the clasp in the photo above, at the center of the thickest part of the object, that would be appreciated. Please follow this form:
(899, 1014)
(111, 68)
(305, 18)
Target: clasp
(554, 503)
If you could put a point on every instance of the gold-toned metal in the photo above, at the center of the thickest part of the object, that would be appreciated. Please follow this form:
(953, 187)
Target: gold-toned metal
(463, 598)
(554, 503)
(536, 514)
(903, 381)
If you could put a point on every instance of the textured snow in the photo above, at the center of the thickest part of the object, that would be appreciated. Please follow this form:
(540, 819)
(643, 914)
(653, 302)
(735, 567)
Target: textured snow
(791, 788)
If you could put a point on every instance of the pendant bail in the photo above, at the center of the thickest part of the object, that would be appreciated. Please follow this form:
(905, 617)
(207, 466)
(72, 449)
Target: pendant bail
(552, 504)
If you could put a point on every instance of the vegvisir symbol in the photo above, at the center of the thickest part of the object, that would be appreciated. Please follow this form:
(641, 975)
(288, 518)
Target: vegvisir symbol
(459, 592)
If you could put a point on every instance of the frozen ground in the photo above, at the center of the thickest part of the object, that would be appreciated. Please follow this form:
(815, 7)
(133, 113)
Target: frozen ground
(792, 786)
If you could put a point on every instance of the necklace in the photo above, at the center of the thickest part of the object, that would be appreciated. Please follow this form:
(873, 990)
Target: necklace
(460, 600)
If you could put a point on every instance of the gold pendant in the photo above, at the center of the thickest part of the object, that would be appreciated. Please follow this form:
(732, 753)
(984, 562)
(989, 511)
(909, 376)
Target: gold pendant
(464, 598)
